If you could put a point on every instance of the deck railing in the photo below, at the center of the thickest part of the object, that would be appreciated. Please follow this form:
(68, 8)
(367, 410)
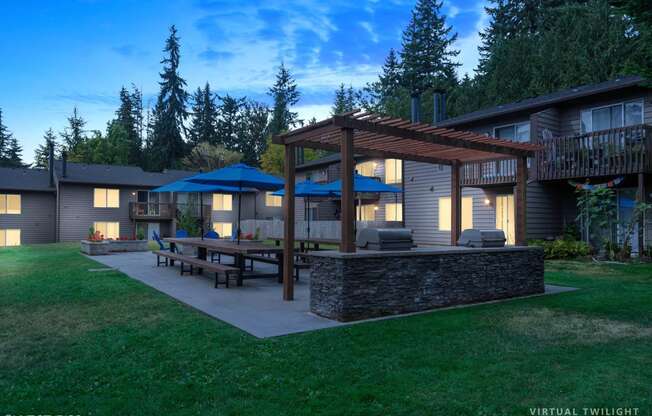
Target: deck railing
(488, 172)
(163, 210)
(618, 151)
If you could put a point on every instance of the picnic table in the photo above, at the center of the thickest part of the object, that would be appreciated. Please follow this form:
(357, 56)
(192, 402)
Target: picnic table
(305, 242)
(238, 251)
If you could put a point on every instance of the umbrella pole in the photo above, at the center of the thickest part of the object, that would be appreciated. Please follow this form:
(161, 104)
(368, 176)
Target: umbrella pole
(201, 213)
(239, 211)
(308, 218)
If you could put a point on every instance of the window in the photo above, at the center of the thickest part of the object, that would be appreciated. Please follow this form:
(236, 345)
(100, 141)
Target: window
(393, 171)
(393, 212)
(108, 229)
(366, 168)
(612, 116)
(273, 200)
(222, 202)
(9, 238)
(366, 212)
(106, 198)
(516, 132)
(9, 204)
(224, 229)
(445, 213)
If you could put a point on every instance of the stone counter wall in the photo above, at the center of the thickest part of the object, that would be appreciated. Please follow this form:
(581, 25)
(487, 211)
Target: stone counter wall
(353, 288)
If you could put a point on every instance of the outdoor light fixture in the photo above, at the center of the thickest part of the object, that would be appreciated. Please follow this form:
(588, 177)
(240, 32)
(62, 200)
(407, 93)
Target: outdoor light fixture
(375, 208)
(487, 201)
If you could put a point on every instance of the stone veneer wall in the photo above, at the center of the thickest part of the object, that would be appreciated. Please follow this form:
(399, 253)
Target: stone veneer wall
(352, 288)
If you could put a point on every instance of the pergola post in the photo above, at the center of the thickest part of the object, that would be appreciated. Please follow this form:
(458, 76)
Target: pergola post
(456, 202)
(347, 244)
(288, 224)
(520, 201)
(641, 196)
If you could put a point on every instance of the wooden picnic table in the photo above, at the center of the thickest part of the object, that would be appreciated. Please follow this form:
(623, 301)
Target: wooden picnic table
(232, 248)
(304, 242)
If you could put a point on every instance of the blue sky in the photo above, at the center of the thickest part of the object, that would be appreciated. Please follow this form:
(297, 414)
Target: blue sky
(66, 53)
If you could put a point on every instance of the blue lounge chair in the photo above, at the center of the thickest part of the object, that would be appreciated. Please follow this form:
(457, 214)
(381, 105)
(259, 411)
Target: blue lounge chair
(181, 234)
(212, 234)
(157, 238)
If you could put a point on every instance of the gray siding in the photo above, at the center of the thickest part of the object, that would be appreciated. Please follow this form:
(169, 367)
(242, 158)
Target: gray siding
(36, 221)
(77, 213)
(250, 201)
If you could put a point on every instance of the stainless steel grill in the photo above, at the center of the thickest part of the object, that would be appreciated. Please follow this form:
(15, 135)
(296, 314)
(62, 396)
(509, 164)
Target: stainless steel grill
(385, 239)
(482, 238)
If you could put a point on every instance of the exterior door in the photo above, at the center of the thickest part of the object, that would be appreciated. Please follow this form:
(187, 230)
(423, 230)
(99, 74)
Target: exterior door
(151, 227)
(505, 216)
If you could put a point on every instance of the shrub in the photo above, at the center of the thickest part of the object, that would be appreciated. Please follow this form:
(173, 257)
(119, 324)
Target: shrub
(563, 249)
(140, 235)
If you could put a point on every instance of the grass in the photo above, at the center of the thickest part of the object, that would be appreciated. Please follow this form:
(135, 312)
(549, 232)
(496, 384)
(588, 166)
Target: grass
(80, 342)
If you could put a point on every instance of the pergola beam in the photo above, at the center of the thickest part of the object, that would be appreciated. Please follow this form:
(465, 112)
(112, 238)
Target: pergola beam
(347, 243)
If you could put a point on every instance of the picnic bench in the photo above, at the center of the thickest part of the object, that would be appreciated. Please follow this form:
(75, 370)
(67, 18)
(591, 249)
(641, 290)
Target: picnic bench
(298, 265)
(304, 243)
(192, 262)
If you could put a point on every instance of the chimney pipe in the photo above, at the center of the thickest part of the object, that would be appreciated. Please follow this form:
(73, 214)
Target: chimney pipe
(439, 106)
(415, 107)
(64, 164)
(51, 163)
(442, 116)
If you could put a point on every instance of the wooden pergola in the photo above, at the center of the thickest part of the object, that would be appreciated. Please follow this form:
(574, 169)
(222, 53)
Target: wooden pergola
(375, 135)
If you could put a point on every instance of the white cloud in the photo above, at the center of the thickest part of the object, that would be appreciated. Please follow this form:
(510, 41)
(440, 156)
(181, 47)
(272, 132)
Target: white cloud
(372, 33)
(468, 45)
(318, 111)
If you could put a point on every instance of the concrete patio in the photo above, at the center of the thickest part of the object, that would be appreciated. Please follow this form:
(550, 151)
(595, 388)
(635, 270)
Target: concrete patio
(256, 307)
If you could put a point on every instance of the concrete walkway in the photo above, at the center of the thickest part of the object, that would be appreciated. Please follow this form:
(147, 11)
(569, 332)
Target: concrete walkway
(256, 308)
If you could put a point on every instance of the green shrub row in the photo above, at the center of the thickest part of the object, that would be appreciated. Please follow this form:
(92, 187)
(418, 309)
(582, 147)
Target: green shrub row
(562, 249)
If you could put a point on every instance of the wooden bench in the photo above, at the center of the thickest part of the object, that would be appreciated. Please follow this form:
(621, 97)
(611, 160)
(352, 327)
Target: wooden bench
(273, 260)
(198, 263)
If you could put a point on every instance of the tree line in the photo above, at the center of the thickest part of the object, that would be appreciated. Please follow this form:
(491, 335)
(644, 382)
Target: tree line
(530, 47)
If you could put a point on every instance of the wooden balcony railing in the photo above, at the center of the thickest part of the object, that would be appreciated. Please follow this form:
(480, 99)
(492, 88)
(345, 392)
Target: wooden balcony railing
(488, 172)
(618, 151)
(163, 210)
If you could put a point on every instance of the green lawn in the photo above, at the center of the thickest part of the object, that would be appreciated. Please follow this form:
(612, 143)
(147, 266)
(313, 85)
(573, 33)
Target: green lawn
(77, 342)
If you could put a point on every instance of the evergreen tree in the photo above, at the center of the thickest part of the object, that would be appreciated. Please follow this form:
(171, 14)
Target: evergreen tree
(137, 107)
(42, 152)
(387, 95)
(641, 14)
(426, 58)
(167, 145)
(255, 132)
(230, 122)
(285, 94)
(13, 154)
(345, 100)
(5, 139)
(126, 118)
(73, 135)
(203, 122)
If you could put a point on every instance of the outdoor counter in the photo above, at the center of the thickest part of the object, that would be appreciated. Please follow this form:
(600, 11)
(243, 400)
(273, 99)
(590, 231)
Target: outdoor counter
(366, 284)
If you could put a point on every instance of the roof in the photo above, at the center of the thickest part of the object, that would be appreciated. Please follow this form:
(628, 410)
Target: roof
(376, 135)
(117, 175)
(545, 100)
(25, 179)
(323, 161)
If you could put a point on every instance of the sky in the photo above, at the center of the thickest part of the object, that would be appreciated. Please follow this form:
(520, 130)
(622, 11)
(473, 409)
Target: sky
(60, 54)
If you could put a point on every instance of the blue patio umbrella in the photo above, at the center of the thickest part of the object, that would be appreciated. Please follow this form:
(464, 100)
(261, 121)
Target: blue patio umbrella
(189, 187)
(305, 190)
(240, 176)
(363, 184)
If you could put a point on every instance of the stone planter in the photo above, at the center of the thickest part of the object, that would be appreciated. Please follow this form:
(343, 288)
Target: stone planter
(128, 245)
(95, 248)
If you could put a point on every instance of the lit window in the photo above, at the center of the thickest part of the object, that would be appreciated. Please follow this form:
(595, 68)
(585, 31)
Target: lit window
(366, 168)
(445, 213)
(393, 171)
(222, 202)
(393, 212)
(224, 229)
(366, 212)
(273, 200)
(106, 198)
(9, 204)
(9, 238)
(108, 229)
(515, 132)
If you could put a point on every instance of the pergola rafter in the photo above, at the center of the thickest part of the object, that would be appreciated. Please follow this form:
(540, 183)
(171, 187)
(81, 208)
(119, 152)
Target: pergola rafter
(381, 136)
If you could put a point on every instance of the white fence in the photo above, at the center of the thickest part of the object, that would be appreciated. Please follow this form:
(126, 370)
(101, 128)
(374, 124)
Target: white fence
(318, 229)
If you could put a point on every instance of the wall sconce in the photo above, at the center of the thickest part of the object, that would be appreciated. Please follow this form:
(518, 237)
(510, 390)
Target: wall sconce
(375, 208)
(487, 201)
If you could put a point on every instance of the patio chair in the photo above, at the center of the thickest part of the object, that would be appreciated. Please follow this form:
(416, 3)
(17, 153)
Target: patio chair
(160, 243)
(181, 234)
(213, 235)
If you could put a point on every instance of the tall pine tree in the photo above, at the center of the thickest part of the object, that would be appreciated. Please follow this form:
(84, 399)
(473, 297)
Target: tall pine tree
(42, 151)
(285, 94)
(230, 122)
(255, 132)
(73, 134)
(126, 118)
(345, 100)
(167, 145)
(5, 138)
(203, 121)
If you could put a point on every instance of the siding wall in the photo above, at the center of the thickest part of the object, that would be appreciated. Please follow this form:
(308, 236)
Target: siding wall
(36, 220)
(249, 202)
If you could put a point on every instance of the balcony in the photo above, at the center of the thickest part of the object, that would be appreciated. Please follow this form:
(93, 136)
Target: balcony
(163, 211)
(618, 151)
(488, 172)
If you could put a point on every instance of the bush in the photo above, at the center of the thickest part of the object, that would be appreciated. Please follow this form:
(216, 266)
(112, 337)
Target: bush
(562, 249)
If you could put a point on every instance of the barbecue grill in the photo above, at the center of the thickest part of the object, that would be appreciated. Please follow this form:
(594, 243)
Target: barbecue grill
(482, 238)
(385, 239)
